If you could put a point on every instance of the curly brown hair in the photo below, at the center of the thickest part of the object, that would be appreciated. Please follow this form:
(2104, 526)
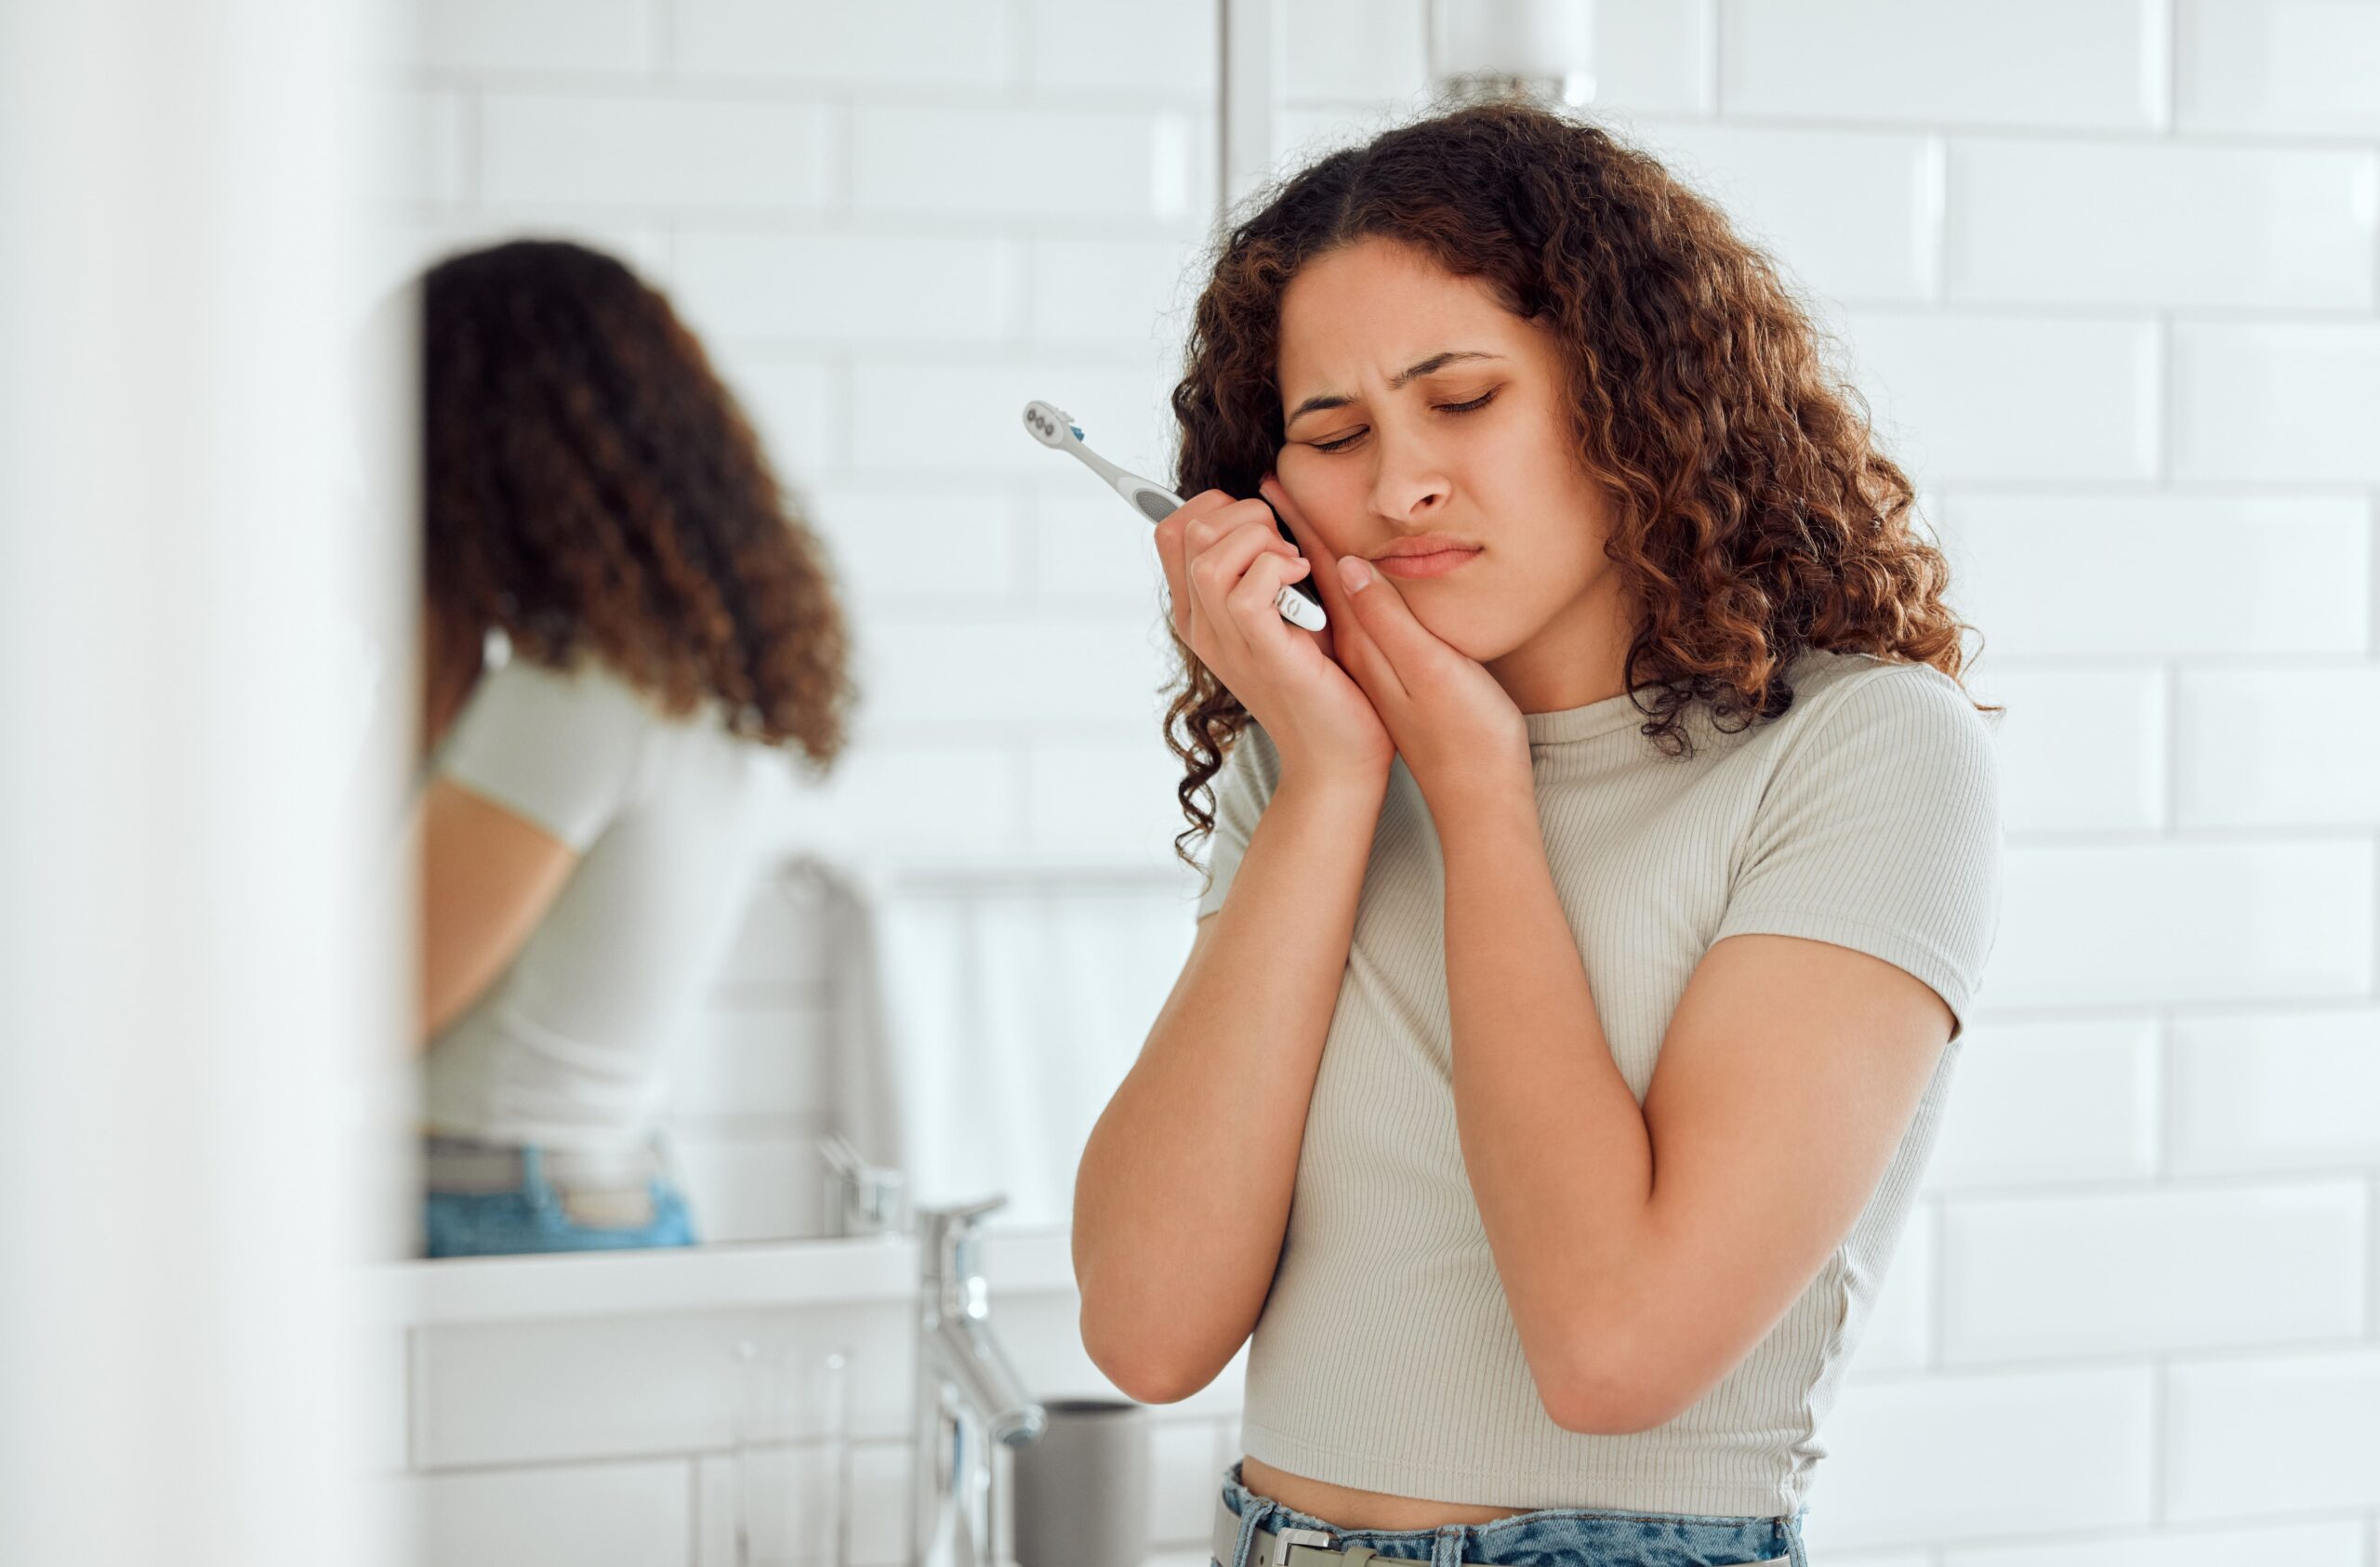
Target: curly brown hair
(1752, 514)
(589, 486)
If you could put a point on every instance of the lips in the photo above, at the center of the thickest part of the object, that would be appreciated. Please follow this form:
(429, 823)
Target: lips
(1433, 564)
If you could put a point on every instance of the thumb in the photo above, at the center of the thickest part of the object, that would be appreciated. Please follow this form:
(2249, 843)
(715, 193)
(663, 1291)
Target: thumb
(1349, 645)
(1382, 611)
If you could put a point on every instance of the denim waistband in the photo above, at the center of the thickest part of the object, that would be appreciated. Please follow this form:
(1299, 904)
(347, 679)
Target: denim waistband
(1574, 1536)
(464, 1164)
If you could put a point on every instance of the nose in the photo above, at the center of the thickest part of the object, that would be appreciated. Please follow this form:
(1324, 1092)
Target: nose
(1407, 483)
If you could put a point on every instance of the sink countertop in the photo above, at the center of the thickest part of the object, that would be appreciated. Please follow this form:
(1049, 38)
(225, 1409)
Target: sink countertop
(543, 1285)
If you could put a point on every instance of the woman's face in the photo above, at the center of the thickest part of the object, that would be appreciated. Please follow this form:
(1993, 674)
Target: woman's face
(1415, 404)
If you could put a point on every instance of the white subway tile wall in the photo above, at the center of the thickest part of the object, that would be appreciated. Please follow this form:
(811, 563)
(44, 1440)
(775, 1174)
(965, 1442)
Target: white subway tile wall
(2107, 272)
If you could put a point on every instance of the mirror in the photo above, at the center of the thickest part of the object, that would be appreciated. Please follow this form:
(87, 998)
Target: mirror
(945, 947)
(711, 949)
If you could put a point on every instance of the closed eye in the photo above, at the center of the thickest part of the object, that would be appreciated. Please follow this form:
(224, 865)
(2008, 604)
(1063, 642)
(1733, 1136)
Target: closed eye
(1346, 441)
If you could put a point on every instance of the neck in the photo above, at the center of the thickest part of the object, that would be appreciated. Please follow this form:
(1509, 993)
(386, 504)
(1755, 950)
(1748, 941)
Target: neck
(1576, 657)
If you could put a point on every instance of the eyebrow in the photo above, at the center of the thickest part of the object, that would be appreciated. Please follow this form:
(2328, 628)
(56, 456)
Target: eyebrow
(1434, 363)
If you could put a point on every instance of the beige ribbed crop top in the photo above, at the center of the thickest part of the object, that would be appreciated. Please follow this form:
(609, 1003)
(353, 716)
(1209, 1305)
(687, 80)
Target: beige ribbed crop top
(1867, 815)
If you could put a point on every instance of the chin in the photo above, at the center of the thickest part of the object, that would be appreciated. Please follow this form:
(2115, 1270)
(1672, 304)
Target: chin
(1480, 636)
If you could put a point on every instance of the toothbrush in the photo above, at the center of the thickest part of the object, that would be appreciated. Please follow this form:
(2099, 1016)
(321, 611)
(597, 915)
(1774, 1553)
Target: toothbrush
(1297, 601)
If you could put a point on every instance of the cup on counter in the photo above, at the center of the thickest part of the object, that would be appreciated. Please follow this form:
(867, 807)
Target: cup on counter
(792, 1455)
(1080, 1493)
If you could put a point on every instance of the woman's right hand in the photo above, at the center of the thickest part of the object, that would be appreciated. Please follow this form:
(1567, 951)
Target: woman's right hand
(1224, 563)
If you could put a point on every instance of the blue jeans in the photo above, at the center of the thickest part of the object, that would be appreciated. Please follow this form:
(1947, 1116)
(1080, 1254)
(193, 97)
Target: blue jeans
(531, 1218)
(1548, 1537)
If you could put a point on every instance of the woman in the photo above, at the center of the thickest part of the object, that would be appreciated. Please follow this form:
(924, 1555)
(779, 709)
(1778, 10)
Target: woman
(592, 493)
(1635, 742)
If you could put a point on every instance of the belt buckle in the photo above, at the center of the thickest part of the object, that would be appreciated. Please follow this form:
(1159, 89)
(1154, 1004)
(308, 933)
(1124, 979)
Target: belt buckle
(1284, 1540)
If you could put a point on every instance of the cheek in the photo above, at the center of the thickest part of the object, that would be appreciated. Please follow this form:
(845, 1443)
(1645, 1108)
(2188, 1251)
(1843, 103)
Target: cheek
(1327, 493)
(1536, 481)
(1567, 544)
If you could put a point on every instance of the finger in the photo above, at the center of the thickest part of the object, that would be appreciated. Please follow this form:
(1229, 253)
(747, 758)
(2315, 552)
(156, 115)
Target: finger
(1251, 604)
(1350, 646)
(1177, 582)
(1200, 532)
(1220, 548)
(1216, 568)
(1309, 542)
(1389, 624)
(1173, 552)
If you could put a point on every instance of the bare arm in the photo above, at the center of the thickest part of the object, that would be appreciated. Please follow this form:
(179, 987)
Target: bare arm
(488, 876)
(1608, 1272)
(1183, 1192)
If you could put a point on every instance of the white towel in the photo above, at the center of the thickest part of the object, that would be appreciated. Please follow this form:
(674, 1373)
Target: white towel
(1015, 1006)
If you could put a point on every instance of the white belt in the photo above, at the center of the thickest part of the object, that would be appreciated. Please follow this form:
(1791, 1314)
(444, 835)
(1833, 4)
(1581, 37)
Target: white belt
(1287, 1548)
(450, 1164)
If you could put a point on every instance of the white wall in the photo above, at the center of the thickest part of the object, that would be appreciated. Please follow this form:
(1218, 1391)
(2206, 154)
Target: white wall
(2106, 268)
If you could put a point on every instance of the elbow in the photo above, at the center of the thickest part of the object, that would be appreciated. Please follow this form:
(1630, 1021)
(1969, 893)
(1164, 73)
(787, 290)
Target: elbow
(1139, 1365)
(1151, 1383)
(1604, 1409)
(1602, 1394)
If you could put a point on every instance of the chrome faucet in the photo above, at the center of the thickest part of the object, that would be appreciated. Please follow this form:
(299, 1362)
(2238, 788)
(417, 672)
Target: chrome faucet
(969, 1396)
(862, 1199)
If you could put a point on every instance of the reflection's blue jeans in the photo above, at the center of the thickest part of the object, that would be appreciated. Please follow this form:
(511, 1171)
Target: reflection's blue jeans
(1548, 1537)
(531, 1218)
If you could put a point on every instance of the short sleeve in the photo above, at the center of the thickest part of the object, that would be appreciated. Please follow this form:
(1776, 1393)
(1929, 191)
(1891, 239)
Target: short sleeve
(556, 747)
(1881, 831)
(1250, 772)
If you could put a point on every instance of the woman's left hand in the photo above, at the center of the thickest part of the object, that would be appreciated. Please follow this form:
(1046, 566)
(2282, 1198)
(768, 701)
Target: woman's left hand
(1459, 732)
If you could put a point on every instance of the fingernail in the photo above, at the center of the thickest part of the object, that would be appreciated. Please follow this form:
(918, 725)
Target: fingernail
(1355, 573)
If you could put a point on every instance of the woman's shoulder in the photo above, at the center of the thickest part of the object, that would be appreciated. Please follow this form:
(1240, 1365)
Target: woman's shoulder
(589, 691)
(1888, 721)
(1832, 686)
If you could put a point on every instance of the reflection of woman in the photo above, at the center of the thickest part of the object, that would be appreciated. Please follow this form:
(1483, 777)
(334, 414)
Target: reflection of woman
(592, 493)
(1654, 755)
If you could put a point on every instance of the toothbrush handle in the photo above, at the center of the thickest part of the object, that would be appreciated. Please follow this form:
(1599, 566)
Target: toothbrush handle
(1299, 602)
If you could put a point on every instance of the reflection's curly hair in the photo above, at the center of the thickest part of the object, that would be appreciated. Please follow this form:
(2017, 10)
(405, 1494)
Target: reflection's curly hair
(591, 487)
(1750, 515)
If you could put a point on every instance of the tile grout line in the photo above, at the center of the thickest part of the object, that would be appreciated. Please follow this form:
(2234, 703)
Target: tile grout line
(474, 151)
(1714, 72)
(417, 1403)
(2169, 781)
(2372, 567)
(2162, 1062)
(665, 78)
(2167, 340)
(1937, 1310)
(2160, 1412)
(1938, 160)
(2372, 1256)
